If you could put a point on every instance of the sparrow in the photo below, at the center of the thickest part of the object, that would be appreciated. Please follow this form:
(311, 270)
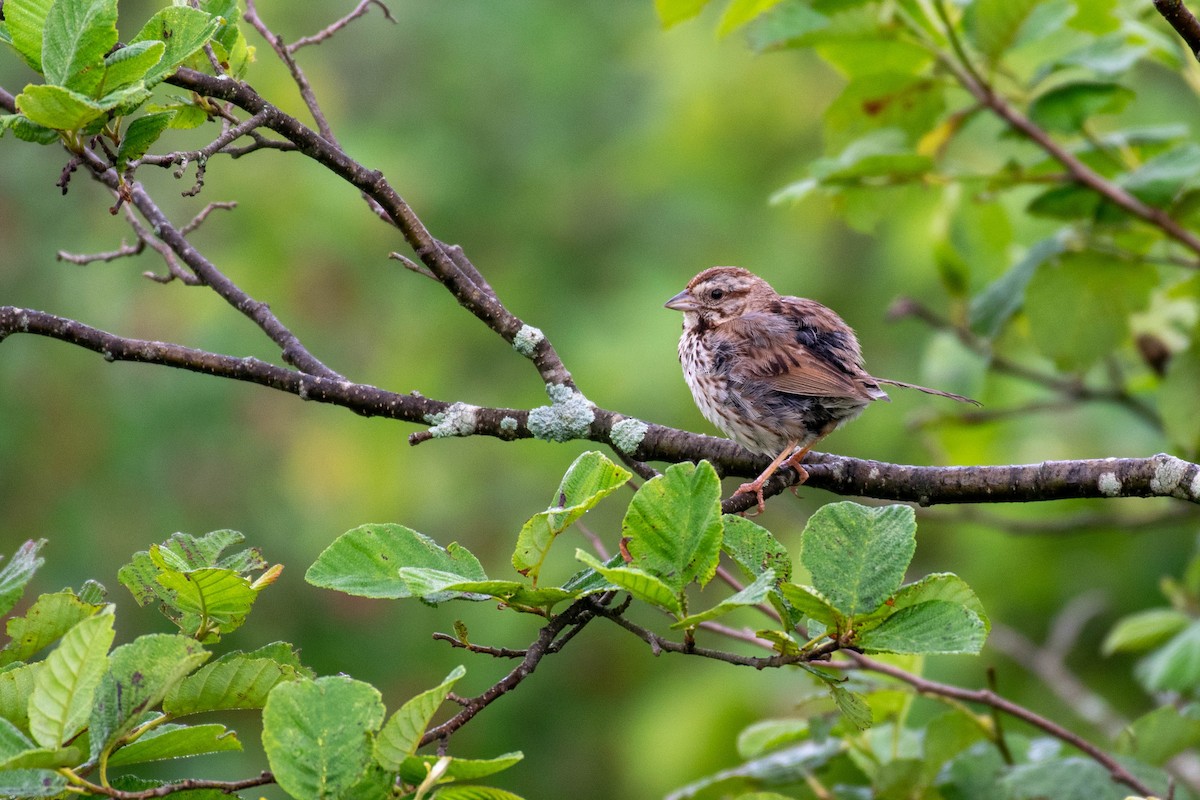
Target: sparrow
(773, 372)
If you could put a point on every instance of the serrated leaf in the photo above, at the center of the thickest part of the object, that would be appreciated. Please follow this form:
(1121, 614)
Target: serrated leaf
(57, 108)
(932, 626)
(857, 555)
(317, 734)
(26, 129)
(1079, 305)
(1144, 630)
(995, 25)
(415, 768)
(879, 101)
(588, 480)
(16, 687)
(673, 525)
(402, 734)
(25, 21)
(672, 12)
(24, 783)
(139, 675)
(213, 601)
(435, 586)
(78, 34)
(753, 594)
(140, 135)
(176, 741)
(129, 65)
(754, 548)
(16, 574)
(811, 603)
(1175, 666)
(65, 686)
(941, 586)
(458, 792)
(642, 585)
(1071, 778)
(236, 680)
(854, 707)
(184, 30)
(1066, 107)
(785, 25)
(50, 616)
(366, 561)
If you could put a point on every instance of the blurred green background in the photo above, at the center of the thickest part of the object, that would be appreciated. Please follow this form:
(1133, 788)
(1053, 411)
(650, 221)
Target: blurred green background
(590, 164)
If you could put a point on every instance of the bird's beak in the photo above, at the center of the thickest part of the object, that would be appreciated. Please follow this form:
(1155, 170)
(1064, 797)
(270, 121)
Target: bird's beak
(682, 302)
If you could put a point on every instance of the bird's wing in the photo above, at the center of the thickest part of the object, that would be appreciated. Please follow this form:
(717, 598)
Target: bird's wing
(794, 352)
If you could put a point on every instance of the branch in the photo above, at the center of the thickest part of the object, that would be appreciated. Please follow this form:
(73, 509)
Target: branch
(991, 699)
(190, 784)
(1161, 475)
(1183, 21)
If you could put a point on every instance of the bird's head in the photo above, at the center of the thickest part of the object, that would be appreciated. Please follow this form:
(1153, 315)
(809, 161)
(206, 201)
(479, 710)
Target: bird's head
(720, 294)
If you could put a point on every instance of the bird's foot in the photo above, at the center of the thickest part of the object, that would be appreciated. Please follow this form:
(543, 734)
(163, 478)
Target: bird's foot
(754, 488)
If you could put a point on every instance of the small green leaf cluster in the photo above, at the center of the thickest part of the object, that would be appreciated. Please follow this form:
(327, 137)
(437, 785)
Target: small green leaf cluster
(92, 81)
(672, 538)
(74, 710)
(1169, 638)
(1059, 225)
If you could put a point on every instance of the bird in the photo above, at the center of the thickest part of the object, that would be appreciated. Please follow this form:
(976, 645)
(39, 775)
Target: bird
(773, 372)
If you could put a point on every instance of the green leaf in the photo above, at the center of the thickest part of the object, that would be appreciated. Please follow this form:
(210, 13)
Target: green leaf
(754, 549)
(1177, 399)
(235, 680)
(1175, 667)
(853, 706)
(1072, 778)
(16, 687)
(57, 108)
(16, 574)
(78, 34)
(26, 129)
(181, 553)
(857, 555)
(402, 734)
(140, 134)
(932, 626)
(1162, 734)
(366, 561)
(770, 734)
(780, 768)
(129, 65)
(317, 734)
(139, 675)
(672, 12)
(456, 792)
(941, 586)
(183, 30)
(992, 308)
(673, 525)
(435, 586)
(25, 783)
(176, 741)
(1163, 178)
(1066, 107)
(1144, 630)
(879, 154)
(995, 25)
(874, 102)
(949, 734)
(739, 12)
(811, 603)
(1070, 201)
(786, 25)
(50, 616)
(25, 21)
(212, 601)
(415, 768)
(65, 686)
(751, 595)
(1079, 305)
(590, 479)
(642, 585)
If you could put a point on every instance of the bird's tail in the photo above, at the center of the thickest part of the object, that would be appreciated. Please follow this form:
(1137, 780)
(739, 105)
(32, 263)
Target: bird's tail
(927, 390)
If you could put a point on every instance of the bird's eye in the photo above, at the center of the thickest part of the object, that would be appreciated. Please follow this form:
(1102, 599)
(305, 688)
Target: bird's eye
(716, 294)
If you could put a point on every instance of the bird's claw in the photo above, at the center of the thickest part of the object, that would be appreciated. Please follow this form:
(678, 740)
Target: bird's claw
(754, 488)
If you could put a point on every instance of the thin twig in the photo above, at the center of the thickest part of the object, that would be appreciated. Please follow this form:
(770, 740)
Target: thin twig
(330, 30)
(1183, 21)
